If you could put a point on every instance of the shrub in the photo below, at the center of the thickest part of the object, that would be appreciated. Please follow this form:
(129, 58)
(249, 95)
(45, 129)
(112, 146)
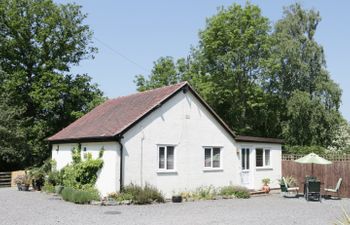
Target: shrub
(19, 180)
(81, 172)
(205, 193)
(236, 191)
(67, 194)
(55, 178)
(242, 192)
(266, 181)
(186, 195)
(37, 174)
(227, 191)
(345, 220)
(153, 193)
(119, 197)
(290, 180)
(48, 188)
(304, 150)
(79, 196)
(145, 195)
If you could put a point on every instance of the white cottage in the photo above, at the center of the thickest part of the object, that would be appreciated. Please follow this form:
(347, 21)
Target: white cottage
(170, 138)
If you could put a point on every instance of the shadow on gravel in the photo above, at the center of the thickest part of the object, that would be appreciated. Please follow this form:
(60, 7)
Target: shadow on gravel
(112, 212)
(54, 198)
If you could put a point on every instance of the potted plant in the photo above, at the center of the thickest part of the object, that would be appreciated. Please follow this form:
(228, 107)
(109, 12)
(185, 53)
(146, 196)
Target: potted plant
(266, 181)
(37, 177)
(282, 186)
(55, 178)
(26, 182)
(290, 182)
(19, 181)
(177, 198)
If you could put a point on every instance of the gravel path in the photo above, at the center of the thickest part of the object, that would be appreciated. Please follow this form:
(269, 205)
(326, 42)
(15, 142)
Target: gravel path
(35, 208)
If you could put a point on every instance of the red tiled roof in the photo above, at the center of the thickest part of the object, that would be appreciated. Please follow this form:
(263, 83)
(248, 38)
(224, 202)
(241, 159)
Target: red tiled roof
(114, 116)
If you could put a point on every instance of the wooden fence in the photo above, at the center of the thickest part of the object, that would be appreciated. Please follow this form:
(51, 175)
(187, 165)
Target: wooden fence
(5, 179)
(327, 174)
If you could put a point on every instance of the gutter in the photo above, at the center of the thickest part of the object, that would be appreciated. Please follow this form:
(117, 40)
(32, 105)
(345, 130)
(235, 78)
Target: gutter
(121, 177)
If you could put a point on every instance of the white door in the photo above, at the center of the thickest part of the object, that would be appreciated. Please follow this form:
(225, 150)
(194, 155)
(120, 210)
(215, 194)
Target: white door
(245, 165)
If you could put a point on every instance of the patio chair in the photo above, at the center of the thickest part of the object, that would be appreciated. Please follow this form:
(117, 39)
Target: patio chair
(307, 180)
(336, 189)
(290, 190)
(313, 190)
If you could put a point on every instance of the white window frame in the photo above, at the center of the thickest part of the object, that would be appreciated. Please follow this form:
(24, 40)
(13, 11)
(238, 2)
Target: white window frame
(264, 158)
(211, 168)
(165, 158)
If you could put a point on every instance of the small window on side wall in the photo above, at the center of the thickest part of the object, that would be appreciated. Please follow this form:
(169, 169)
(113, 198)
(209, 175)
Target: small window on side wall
(166, 157)
(212, 157)
(262, 157)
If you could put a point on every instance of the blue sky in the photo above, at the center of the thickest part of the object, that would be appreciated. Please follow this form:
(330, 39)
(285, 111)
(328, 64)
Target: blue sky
(143, 31)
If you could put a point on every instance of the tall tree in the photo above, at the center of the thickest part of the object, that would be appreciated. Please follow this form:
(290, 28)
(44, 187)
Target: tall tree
(262, 82)
(226, 67)
(309, 121)
(341, 140)
(12, 137)
(165, 72)
(297, 74)
(39, 42)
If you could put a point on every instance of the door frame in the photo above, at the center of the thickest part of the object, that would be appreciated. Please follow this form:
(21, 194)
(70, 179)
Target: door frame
(250, 171)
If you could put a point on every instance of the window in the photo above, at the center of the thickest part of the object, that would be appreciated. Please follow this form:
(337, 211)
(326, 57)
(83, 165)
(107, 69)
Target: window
(267, 157)
(212, 157)
(259, 157)
(245, 158)
(262, 157)
(166, 158)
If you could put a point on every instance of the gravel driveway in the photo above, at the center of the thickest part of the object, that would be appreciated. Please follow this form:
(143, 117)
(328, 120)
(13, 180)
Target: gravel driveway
(39, 208)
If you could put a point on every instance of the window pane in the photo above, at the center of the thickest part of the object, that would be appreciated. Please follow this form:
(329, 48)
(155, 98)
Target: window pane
(216, 157)
(207, 157)
(267, 157)
(243, 158)
(247, 158)
(259, 157)
(161, 157)
(170, 158)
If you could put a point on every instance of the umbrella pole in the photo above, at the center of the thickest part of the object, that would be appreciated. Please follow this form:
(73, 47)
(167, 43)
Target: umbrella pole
(312, 169)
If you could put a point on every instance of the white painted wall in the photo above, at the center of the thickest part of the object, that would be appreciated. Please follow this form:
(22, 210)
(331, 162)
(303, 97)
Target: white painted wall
(185, 123)
(108, 179)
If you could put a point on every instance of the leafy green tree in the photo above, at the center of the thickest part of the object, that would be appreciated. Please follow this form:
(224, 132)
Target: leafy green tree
(304, 150)
(260, 81)
(165, 72)
(12, 137)
(39, 42)
(310, 122)
(297, 74)
(232, 48)
(225, 67)
(341, 140)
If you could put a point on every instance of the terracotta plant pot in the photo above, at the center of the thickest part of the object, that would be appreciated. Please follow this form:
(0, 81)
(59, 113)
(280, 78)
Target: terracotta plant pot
(266, 189)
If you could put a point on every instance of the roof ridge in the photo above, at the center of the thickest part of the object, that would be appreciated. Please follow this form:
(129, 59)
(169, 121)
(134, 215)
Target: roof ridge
(150, 90)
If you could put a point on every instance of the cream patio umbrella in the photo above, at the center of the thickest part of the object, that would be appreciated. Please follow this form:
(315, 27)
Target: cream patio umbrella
(313, 159)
